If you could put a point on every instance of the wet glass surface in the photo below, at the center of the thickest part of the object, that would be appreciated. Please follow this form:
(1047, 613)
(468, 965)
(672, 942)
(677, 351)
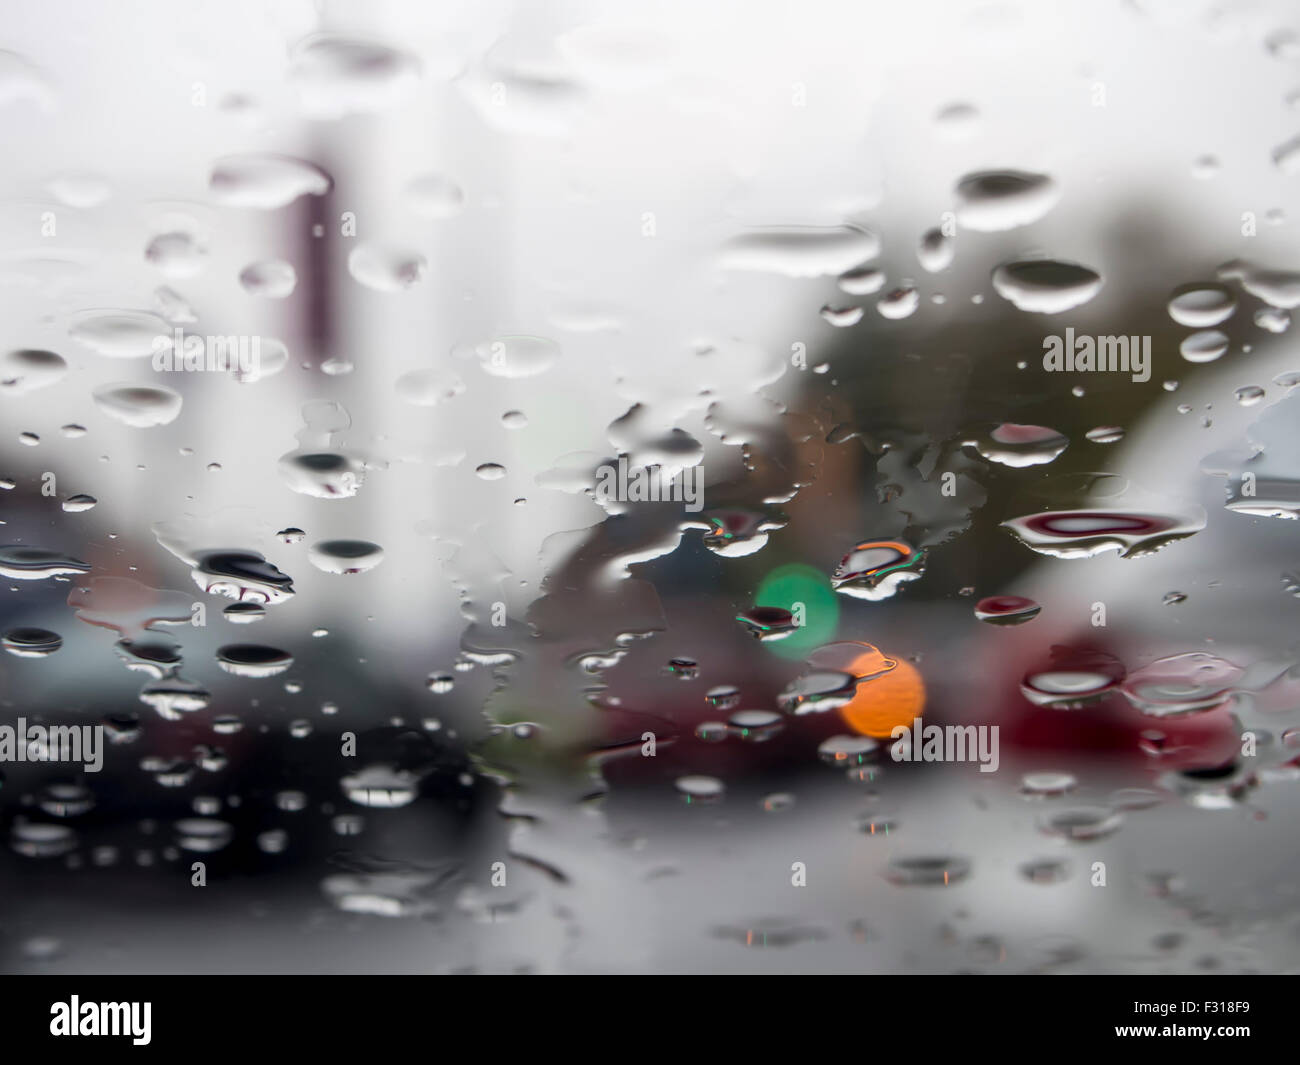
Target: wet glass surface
(721, 487)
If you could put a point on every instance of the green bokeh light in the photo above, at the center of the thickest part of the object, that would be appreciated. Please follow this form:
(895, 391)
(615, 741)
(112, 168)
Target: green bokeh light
(797, 583)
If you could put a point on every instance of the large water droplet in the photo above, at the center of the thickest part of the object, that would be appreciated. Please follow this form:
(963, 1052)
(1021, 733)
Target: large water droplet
(1046, 286)
(382, 787)
(1004, 199)
(141, 406)
(1182, 684)
(1200, 306)
(1011, 444)
(34, 564)
(339, 76)
(700, 789)
(1085, 533)
(1074, 680)
(178, 255)
(801, 251)
(121, 334)
(27, 370)
(272, 278)
(938, 870)
(266, 182)
(1007, 610)
(253, 660)
(31, 642)
(386, 269)
(516, 356)
(768, 622)
(345, 556)
(875, 569)
(1205, 346)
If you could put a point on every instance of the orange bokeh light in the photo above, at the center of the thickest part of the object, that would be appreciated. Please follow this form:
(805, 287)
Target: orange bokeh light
(880, 705)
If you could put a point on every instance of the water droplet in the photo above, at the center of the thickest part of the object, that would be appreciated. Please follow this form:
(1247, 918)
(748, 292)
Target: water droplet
(928, 870)
(273, 841)
(756, 726)
(1106, 434)
(428, 388)
(1201, 306)
(1249, 395)
(1045, 870)
(382, 787)
(796, 251)
(847, 750)
(272, 278)
(36, 564)
(36, 840)
(935, 251)
(841, 317)
(265, 182)
(700, 789)
(683, 668)
(1286, 156)
(862, 282)
(997, 200)
(1279, 288)
(899, 303)
(27, 370)
(1182, 684)
(1046, 286)
(386, 269)
(203, 835)
(1086, 533)
(1135, 799)
(1006, 610)
(345, 556)
(79, 504)
(140, 406)
(1043, 785)
(1205, 346)
(1074, 680)
(440, 683)
(818, 691)
(734, 533)
(323, 474)
(338, 76)
(875, 569)
(66, 800)
(253, 660)
(1272, 319)
(178, 255)
(1083, 823)
(120, 334)
(1018, 446)
(244, 613)
(516, 356)
(490, 471)
(243, 575)
(768, 622)
(31, 642)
